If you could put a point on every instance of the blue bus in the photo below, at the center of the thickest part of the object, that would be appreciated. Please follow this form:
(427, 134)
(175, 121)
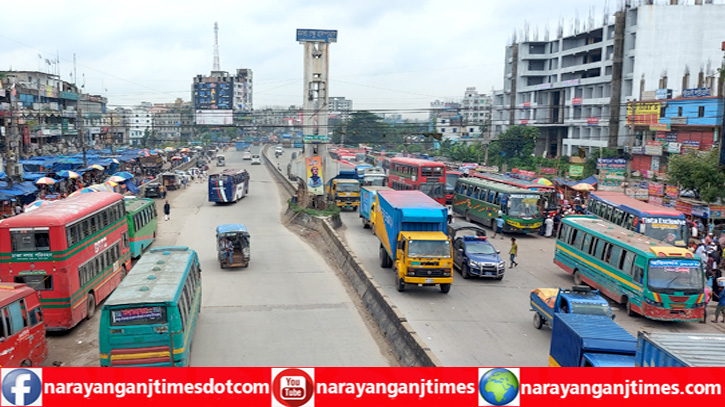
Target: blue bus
(149, 319)
(229, 185)
(297, 141)
(657, 222)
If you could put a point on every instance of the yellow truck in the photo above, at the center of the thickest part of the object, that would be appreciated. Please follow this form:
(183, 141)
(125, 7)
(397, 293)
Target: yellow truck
(345, 193)
(411, 227)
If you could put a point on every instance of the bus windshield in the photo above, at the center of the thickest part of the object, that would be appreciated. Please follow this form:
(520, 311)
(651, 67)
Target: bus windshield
(429, 248)
(435, 190)
(451, 181)
(669, 230)
(670, 276)
(523, 206)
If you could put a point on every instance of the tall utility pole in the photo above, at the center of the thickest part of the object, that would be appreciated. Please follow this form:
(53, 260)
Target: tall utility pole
(81, 132)
(315, 95)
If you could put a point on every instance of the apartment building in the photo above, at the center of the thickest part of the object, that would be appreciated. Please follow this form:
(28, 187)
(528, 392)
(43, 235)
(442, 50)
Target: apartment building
(575, 87)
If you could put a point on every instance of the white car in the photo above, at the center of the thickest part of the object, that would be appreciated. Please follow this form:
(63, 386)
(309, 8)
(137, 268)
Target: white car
(256, 160)
(246, 155)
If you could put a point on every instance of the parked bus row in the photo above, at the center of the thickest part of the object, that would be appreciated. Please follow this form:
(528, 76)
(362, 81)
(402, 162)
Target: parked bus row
(62, 260)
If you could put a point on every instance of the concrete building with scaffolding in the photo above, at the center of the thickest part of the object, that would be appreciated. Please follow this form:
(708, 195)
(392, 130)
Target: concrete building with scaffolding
(575, 87)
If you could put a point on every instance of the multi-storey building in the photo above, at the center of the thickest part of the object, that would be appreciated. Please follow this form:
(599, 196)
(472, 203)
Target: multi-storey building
(575, 87)
(216, 97)
(43, 107)
(139, 123)
(340, 107)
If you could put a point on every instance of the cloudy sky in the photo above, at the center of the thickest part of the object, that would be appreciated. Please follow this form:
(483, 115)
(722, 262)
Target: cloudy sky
(391, 55)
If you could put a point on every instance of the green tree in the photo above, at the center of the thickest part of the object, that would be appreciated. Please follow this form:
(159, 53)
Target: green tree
(364, 127)
(517, 142)
(698, 172)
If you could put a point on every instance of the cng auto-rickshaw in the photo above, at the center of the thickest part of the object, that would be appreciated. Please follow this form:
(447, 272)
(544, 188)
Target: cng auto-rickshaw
(233, 248)
(220, 161)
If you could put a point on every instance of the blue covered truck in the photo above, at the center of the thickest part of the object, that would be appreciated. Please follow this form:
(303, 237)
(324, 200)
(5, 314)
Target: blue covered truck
(545, 302)
(368, 198)
(582, 340)
(667, 349)
(411, 227)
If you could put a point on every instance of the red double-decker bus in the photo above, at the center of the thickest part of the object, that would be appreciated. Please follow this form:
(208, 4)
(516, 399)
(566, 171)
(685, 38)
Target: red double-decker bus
(74, 252)
(416, 174)
(22, 332)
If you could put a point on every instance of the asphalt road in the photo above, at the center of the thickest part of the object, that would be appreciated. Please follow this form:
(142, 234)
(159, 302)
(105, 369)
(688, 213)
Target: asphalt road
(288, 308)
(485, 322)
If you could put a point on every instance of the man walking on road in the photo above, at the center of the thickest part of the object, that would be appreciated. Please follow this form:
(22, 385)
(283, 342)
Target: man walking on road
(499, 227)
(167, 210)
(513, 252)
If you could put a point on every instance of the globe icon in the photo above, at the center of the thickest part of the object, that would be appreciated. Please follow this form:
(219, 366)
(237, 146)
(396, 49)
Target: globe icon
(498, 387)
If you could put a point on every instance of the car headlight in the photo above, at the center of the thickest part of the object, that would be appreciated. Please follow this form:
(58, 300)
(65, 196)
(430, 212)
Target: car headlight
(472, 263)
(502, 264)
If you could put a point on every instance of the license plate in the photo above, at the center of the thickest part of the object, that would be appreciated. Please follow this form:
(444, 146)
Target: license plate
(429, 281)
(490, 273)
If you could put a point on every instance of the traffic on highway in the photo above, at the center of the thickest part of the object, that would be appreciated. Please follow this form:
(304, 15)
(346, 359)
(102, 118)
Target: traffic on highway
(173, 292)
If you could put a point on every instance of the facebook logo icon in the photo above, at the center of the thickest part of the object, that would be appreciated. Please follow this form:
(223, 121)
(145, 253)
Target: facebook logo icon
(22, 387)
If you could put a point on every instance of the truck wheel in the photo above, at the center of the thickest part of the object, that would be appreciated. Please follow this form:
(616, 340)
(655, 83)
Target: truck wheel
(401, 285)
(464, 272)
(385, 261)
(630, 311)
(577, 277)
(445, 288)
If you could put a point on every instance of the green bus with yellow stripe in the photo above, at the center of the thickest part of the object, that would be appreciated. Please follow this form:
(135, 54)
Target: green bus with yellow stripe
(150, 319)
(649, 278)
(481, 201)
(142, 223)
(74, 252)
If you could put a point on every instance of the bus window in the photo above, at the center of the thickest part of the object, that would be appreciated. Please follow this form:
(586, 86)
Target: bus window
(587, 243)
(599, 250)
(616, 253)
(36, 282)
(30, 240)
(572, 237)
(627, 261)
(607, 252)
(578, 237)
(638, 274)
(591, 248)
(17, 319)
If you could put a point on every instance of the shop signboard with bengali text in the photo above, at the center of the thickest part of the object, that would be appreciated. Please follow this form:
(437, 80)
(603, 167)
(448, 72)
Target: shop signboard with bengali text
(684, 207)
(576, 170)
(547, 171)
(653, 147)
(643, 114)
(656, 189)
(690, 144)
(656, 200)
(671, 191)
(717, 211)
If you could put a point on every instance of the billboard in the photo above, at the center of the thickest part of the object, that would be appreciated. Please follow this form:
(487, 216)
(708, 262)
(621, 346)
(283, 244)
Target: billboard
(213, 95)
(314, 181)
(214, 117)
(643, 114)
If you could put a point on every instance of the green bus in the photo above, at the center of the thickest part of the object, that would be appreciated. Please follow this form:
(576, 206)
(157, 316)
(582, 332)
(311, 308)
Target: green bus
(150, 319)
(664, 283)
(481, 201)
(142, 222)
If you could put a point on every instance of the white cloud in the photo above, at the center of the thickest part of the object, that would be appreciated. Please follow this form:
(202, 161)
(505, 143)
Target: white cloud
(390, 54)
